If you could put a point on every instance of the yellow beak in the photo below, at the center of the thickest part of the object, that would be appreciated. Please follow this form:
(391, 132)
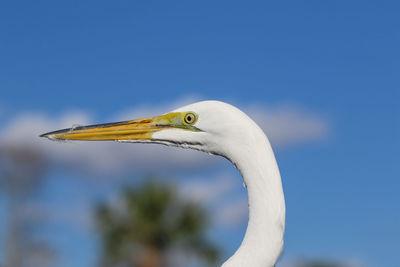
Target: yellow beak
(124, 130)
(140, 129)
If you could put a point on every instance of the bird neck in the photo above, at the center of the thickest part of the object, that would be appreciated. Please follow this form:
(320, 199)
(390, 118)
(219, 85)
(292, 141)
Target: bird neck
(263, 241)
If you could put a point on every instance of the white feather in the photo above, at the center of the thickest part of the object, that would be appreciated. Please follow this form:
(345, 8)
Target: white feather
(228, 132)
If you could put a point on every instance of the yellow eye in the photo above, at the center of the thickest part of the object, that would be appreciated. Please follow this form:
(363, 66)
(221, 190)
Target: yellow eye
(190, 118)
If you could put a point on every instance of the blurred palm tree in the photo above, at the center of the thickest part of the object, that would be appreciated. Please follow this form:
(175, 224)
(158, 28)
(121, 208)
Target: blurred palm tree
(149, 223)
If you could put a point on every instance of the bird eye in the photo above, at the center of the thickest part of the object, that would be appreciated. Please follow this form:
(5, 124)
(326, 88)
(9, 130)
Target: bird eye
(190, 118)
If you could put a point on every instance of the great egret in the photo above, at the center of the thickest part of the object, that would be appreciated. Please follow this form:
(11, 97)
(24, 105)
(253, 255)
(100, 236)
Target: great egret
(221, 129)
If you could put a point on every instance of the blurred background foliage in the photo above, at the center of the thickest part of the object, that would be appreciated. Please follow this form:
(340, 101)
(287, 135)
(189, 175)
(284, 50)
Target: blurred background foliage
(149, 222)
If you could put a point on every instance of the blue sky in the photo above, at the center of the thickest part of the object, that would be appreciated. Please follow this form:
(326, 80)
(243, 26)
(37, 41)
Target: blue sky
(338, 60)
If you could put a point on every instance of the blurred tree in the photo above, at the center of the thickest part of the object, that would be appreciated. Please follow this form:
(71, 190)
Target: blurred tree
(21, 173)
(149, 223)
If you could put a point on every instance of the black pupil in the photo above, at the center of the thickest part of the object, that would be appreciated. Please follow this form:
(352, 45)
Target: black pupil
(189, 118)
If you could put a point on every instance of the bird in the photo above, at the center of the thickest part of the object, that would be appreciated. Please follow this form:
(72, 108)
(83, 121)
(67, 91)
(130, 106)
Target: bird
(221, 129)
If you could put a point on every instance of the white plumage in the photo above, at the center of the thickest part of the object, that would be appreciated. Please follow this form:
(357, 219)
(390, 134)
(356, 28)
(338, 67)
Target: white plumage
(221, 129)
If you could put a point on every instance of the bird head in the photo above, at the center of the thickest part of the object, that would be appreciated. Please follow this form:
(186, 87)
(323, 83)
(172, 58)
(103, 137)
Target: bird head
(205, 126)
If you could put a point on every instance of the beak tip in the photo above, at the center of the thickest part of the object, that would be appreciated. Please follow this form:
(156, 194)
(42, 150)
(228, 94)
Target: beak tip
(48, 136)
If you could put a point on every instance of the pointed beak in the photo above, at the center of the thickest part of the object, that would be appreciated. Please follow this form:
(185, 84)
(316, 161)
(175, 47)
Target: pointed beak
(140, 129)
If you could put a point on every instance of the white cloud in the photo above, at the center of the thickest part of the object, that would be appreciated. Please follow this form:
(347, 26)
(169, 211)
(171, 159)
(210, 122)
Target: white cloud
(286, 126)
(207, 191)
(289, 125)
